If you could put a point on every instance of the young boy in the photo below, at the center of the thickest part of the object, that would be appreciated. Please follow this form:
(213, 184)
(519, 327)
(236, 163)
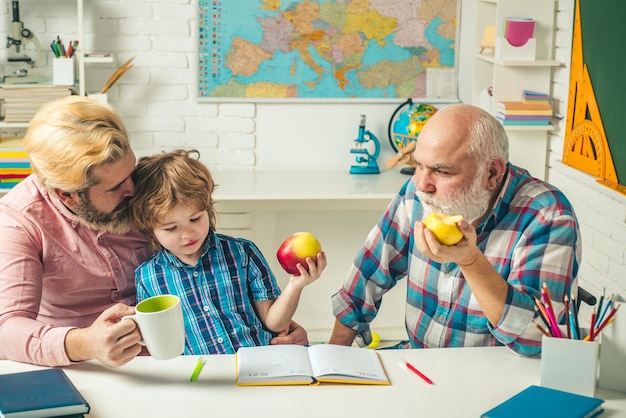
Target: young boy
(229, 295)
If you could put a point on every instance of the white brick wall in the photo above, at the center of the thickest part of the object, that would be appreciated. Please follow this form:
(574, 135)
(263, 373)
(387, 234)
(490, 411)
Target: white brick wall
(601, 211)
(158, 101)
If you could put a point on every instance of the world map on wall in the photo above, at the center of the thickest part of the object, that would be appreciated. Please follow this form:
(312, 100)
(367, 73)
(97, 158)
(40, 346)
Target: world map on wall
(366, 49)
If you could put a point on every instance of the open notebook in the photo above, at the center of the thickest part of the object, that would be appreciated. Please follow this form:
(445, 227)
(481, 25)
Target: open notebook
(302, 365)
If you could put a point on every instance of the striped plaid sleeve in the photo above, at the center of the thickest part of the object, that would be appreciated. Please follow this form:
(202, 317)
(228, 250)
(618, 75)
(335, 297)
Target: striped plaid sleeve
(548, 252)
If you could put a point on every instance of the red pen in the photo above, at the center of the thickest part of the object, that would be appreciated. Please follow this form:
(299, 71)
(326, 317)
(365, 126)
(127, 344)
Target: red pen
(412, 368)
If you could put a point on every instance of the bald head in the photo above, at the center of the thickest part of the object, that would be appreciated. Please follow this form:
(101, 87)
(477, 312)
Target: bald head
(467, 127)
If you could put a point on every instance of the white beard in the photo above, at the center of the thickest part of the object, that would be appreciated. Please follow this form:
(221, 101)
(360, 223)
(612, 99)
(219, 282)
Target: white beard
(471, 202)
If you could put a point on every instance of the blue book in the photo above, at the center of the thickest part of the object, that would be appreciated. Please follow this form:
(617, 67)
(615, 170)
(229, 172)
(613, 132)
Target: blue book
(502, 116)
(40, 394)
(508, 122)
(542, 402)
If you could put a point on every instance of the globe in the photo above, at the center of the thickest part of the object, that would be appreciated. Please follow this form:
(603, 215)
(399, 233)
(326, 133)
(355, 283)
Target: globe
(407, 122)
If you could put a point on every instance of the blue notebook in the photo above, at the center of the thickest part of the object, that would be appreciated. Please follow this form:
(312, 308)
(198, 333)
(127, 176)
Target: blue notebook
(40, 394)
(542, 402)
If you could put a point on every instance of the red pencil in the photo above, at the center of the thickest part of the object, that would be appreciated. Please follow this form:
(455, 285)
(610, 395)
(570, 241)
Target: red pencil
(412, 368)
(591, 326)
(605, 322)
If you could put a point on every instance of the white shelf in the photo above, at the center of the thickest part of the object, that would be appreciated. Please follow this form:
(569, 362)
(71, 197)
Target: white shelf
(98, 60)
(533, 63)
(14, 125)
(507, 79)
(80, 53)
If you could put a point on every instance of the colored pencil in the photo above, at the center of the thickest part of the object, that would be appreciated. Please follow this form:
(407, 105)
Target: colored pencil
(566, 303)
(544, 315)
(592, 324)
(543, 318)
(545, 293)
(541, 329)
(575, 315)
(600, 307)
(607, 307)
(608, 319)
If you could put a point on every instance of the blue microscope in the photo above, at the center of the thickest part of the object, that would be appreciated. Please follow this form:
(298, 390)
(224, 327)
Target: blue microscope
(367, 164)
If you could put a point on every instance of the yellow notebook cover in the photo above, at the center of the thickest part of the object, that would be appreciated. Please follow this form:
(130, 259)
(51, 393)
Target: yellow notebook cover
(303, 365)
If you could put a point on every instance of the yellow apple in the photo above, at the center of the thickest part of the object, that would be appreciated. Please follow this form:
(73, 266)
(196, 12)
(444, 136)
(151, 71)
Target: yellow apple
(375, 341)
(444, 227)
(296, 249)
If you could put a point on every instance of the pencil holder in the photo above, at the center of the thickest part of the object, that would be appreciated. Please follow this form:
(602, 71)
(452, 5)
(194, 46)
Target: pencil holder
(569, 365)
(99, 96)
(613, 356)
(63, 71)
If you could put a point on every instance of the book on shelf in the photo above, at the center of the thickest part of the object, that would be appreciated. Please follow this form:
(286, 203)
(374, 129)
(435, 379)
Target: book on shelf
(542, 402)
(40, 394)
(525, 112)
(14, 162)
(529, 96)
(302, 365)
(524, 122)
(21, 101)
(8, 91)
(511, 105)
(504, 116)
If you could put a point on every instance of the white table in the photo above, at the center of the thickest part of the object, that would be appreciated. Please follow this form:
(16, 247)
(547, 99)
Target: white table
(468, 382)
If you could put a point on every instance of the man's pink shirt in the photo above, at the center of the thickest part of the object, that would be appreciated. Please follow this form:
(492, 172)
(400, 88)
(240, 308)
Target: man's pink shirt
(56, 274)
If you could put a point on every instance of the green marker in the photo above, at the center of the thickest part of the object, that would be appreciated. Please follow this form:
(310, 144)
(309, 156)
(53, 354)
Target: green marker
(197, 370)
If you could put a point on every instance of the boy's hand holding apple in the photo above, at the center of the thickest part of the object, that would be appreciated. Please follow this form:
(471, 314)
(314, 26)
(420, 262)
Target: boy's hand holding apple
(302, 257)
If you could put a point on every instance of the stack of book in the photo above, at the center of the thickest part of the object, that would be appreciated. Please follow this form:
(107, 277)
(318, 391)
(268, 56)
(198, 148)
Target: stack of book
(14, 163)
(529, 96)
(533, 110)
(21, 101)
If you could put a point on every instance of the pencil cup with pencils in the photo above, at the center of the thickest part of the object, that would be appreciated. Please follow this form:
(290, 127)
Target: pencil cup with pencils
(570, 365)
(63, 71)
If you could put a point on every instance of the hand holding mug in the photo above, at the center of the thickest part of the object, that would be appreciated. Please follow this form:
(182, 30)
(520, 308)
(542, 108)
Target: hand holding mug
(160, 320)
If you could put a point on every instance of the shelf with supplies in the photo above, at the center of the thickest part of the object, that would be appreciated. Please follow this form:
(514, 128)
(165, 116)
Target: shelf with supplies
(98, 59)
(503, 69)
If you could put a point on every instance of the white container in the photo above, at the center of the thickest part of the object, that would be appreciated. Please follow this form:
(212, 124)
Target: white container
(99, 96)
(613, 355)
(569, 365)
(507, 52)
(63, 71)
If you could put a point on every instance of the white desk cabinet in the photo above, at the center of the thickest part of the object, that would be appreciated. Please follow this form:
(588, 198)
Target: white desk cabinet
(337, 207)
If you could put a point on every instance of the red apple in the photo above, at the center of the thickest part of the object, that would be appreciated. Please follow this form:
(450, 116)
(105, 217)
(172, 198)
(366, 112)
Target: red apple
(296, 249)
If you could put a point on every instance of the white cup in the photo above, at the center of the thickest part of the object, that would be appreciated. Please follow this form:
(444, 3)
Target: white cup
(160, 320)
(63, 71)
(569, 365)
(613, 355)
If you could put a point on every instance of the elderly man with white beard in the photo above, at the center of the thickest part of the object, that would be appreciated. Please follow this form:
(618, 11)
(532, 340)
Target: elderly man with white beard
(519, 233)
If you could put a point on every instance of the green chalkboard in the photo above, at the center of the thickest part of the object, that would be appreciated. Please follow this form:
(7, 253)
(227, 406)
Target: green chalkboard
(604, 52)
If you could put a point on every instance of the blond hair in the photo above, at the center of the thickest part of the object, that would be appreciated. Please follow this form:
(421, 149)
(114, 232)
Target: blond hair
(165, 180)
(68, 137)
